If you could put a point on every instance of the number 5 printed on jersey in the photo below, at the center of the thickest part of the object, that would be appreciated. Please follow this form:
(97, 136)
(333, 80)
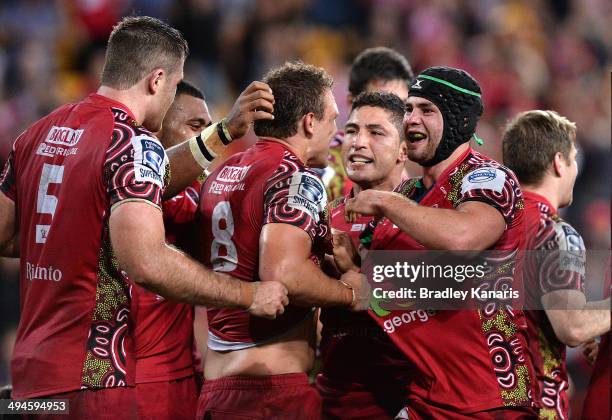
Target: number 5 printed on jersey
(223, 238)
(45, 203)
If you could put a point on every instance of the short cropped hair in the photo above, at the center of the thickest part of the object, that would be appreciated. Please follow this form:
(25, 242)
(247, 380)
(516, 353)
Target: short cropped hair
(136, 46)
(186, 88)
(532, 139)
(298, 89)
(387, 101)
(378, 63)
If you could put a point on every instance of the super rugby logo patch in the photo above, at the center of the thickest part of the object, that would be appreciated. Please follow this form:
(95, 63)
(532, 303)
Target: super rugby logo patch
(487, 178)
(150, 160)
(307, 193)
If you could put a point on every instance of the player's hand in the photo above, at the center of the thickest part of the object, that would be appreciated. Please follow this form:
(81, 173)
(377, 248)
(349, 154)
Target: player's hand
(590, 349)
(345, 254)
(269, 299)
(256, 102)
(366, 203)
(361, 288)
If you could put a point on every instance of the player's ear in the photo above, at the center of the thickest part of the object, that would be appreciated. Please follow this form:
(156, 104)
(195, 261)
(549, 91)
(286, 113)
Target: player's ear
(154, 80)
(558, 164)
(403, 152)
(308, 124)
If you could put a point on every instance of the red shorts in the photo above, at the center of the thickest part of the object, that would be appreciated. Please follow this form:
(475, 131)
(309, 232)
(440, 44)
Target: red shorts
(259, 397)
(356, 401)
(176, 399)
(107, 403)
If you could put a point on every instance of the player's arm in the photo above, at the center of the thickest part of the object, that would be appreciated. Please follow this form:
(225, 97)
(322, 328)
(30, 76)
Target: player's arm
(190, 158)
(575, 326)
(472, 226)
(137, 235)
(9, 235)
(284, 256)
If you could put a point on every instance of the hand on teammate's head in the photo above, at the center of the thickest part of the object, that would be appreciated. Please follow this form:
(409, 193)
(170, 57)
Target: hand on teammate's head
(256, 102)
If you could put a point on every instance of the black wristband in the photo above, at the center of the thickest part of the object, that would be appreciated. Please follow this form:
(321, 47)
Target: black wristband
(221, 133)
(207, 155)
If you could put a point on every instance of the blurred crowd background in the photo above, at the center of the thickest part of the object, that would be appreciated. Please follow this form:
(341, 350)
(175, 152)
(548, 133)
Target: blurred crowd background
(548, 54)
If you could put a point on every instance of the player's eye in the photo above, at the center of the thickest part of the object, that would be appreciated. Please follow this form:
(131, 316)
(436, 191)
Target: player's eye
(350, 131)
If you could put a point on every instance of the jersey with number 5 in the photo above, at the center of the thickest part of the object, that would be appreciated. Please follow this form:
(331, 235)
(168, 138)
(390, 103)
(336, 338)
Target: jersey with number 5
(64, 174)
(265, 184)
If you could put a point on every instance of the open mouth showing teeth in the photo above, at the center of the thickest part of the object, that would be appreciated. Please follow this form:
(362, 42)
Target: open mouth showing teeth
(357, 159)
(414, 137)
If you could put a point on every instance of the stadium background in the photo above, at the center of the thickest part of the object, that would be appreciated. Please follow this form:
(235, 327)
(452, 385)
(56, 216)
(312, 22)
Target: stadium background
(553, 54)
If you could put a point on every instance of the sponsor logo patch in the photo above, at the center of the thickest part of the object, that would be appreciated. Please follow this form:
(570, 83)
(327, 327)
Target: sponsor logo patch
(65, 136)
(150, 160)
(484, 179)
(233, 173)
(307, 193)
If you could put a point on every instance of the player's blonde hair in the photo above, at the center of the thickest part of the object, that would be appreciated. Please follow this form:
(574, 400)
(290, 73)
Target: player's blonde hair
(531, 140)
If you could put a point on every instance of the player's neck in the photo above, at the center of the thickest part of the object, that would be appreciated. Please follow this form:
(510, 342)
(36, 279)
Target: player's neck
(548, 189)
(432, 173)
(295, 146)
(127, 97)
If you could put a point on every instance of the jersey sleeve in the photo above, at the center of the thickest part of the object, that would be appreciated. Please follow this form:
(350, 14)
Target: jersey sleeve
(561, 258)
(7, 179)
(182, 208)
(296, 198)
(135, 168)
(495, 186)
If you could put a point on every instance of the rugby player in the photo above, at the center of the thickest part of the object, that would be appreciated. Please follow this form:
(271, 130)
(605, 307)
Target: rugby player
(539, 146)
(168, 365)
(467, 363)
(263, 218)
(374, 69)
(92, 172)
(363, 372)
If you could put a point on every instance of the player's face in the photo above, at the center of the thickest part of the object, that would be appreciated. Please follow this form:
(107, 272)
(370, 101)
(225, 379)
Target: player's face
(323, 130)
(423, 125)
(186, 118)
(397, 87)
(372, 147)
(570, 174)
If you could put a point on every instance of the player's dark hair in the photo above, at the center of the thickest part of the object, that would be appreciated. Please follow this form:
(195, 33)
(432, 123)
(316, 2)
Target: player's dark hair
(532, 139)
(186, 88)
(136, 46)
(387, 101)
(378, 63)
(298, 89)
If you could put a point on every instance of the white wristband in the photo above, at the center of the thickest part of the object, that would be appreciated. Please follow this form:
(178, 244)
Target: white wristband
(199, 151)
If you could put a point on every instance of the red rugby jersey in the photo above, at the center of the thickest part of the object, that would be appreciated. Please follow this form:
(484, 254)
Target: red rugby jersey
(165, 346)
(266, 183)
(464, 360)
(354, 350)
(597, 404)
(548, 235)
(64, 174)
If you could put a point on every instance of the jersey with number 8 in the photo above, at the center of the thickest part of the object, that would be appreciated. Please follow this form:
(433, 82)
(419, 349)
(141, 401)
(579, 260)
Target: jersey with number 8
(265, 184)
(64, 174)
